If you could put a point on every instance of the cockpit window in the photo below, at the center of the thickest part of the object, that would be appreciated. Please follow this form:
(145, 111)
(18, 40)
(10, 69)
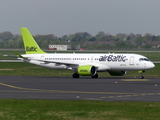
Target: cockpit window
(143, 59)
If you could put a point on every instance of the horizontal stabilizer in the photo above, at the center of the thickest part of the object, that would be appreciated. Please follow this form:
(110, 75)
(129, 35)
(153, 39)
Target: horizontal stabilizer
(19, 55)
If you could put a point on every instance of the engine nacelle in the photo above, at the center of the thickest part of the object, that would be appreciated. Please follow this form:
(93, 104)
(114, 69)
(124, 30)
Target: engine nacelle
(117, 73)
(87, 70)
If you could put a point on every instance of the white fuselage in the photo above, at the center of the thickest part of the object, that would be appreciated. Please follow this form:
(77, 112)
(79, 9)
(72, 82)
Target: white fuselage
(103, 62)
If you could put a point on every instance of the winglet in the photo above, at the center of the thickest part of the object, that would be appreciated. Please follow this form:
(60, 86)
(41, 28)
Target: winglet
(30, 45)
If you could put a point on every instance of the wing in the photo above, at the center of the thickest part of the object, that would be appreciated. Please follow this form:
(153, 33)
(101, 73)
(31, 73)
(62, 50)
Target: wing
(74, 66)
(58, 63)
(15, 56)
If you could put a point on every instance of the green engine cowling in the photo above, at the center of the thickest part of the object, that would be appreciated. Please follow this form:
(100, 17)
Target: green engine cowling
(87, 70)
(117, 73)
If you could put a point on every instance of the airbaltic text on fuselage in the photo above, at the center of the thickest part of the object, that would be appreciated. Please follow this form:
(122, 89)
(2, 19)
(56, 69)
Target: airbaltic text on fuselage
(113, 58)
(31, 49)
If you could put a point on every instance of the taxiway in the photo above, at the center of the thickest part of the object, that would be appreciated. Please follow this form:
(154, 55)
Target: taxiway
(84, 88)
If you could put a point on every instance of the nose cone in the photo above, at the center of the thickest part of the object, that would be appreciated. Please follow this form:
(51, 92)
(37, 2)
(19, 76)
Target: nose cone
(151, 65)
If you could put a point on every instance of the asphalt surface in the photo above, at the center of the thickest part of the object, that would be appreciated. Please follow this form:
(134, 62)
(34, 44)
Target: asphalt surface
(84, 88)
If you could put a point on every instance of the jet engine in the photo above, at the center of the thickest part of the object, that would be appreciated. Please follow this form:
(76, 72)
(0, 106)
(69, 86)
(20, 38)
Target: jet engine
(87, 70)
(117, 73)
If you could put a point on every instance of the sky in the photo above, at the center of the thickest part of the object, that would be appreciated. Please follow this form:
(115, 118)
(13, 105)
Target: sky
(64, 17)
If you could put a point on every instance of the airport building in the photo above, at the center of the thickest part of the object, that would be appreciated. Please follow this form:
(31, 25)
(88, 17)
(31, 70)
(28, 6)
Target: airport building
(64, 47)
(57, 47)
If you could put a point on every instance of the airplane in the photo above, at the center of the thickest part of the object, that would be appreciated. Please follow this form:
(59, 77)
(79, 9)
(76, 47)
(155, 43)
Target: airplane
(83, 64)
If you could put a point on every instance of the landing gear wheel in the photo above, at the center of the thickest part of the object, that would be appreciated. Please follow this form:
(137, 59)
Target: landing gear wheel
(141, 74)
(75, 75)
(141, 77)
(95, 76)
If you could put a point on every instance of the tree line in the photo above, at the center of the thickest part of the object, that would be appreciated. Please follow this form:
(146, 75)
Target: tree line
(101, 41)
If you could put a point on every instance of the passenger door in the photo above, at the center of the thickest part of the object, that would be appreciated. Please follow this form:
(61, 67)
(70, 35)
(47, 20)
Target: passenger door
(131, 60)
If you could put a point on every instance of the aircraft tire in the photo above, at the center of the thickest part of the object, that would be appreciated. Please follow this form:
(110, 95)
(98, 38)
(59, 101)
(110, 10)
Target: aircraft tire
(141, 77)
(95, 76)
(75, 75)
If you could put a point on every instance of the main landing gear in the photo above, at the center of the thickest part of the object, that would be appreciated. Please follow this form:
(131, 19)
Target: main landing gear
(95, 76)
(75, 75)
(141, 74)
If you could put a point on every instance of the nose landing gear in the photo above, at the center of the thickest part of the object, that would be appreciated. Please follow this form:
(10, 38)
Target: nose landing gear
(141, 74)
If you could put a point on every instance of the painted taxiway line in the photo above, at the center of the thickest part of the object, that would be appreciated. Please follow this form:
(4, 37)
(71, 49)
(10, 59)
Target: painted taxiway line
(63, 91)
(135, 80)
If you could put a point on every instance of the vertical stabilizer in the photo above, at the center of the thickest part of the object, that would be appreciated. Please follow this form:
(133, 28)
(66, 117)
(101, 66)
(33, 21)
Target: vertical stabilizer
(30, 45)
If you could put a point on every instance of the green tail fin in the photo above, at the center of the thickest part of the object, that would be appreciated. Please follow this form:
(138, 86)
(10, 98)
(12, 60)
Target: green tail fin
(30, 45)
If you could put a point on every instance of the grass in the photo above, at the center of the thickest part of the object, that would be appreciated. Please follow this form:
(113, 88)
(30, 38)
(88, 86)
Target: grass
(26, 69)
(12, 109)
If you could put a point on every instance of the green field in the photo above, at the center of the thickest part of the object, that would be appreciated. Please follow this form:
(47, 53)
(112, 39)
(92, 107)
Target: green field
(13, 109)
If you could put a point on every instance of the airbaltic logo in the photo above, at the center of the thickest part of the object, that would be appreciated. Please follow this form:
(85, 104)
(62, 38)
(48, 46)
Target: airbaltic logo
(113, 58)
(83, 70)
(31, 49)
